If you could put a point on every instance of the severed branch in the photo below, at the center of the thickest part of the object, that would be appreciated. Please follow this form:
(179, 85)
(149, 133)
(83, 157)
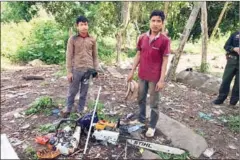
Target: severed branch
(13, 87)
(32, 78)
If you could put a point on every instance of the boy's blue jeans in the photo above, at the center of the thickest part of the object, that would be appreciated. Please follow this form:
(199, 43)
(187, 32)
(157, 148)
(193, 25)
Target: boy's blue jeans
(144, 86)
(75, 86)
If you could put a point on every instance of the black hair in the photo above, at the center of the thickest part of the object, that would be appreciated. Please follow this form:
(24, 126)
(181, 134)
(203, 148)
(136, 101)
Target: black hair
(81, 19)
(158, 13)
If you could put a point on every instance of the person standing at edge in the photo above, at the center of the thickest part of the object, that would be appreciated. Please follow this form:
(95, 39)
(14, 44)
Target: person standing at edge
(231, 70)
(81, 55)
(153, 49)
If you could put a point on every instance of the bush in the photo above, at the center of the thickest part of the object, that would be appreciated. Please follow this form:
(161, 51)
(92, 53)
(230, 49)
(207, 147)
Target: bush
(106, 52)
(46, 42)
(13, 36)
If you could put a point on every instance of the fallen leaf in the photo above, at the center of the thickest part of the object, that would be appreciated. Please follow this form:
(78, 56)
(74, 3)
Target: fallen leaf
(232, 146)
(25, 126)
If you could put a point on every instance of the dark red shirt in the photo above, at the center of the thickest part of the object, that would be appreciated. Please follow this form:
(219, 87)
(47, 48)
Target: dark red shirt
(151, 56)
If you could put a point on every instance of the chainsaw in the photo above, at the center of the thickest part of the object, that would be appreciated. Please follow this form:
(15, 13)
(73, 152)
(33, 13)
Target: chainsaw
(155, 147)
(103, 124)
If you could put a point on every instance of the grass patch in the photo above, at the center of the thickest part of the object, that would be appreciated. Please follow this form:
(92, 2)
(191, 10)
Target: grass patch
(46, 128)
(42, 104)
(100, 112)
(73, 116)
(30, 153)
(233, 122)
(173, 156)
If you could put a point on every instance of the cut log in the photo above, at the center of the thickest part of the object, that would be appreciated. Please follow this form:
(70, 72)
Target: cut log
(27, 78)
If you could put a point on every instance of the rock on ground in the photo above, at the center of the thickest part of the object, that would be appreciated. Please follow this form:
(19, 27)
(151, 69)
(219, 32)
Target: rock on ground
(181, 136)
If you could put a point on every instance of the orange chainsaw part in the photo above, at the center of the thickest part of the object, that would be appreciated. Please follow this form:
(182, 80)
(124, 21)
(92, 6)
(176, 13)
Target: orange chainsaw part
(102, 124)
(42, 140)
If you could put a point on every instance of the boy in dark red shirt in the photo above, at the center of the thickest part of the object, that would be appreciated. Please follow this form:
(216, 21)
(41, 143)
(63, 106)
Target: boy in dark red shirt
(153, 49)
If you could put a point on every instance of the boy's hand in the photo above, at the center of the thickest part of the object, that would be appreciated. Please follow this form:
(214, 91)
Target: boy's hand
(70, 77)
(160, 85)
(237, 49)
(130, 76)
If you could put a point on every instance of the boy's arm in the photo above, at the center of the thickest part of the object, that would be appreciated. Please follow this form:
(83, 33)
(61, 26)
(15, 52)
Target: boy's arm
(69, 55)
(164, 68)
(95, 55)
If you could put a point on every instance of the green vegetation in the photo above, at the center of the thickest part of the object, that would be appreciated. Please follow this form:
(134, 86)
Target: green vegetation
(100, 112)
(31, 153)
(233, 122)
(46, 128)
(172, 156)
(41, 105)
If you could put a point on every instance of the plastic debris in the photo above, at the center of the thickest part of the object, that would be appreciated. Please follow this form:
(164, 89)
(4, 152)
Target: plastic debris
(205, 116)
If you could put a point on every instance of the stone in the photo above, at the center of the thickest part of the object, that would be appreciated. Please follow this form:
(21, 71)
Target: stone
(36, 63)
(211, 86)
(209, 152)
(11, 113)
(204, 82)
(18, 115)
(181, 76)
(25, 126)
(7, 151)
(181, 136)
(149, 155)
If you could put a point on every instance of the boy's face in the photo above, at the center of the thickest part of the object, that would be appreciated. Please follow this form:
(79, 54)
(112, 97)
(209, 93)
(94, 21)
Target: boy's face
(82, 27)
(156, 24)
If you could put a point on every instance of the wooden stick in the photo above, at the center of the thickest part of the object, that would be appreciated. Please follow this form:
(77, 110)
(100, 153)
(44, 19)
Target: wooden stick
(32, 78)
(12, 87)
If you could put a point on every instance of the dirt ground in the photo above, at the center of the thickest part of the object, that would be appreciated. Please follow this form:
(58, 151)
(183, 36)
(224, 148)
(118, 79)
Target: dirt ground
(177, 101)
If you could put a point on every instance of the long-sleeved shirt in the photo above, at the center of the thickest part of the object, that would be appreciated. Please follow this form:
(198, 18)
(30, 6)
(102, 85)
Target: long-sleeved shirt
(81, 53)
(232, 42)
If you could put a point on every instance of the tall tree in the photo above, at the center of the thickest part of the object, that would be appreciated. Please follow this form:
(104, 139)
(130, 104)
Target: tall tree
(166, 4)
(192, 18)
(219, 20)
(204, 27)
(121, 33)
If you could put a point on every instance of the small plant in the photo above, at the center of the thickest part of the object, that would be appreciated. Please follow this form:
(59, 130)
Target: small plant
(47, 128)
(172, 156)
(31, 153)
(233, 123)
(99, 110)
(73, 116)
(42, 104)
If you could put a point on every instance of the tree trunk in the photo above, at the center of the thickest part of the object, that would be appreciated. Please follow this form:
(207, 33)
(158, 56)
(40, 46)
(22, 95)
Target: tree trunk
(184, 38)
(125, 13)
(118, 46)
(166, 4)
(219, 20)
(125, 19)
(204, 28)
